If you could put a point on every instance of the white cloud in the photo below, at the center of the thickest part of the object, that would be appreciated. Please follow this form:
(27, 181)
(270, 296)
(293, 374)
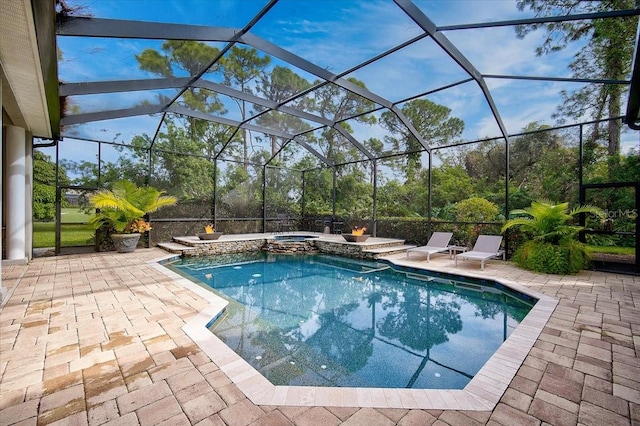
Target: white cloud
(450, 12)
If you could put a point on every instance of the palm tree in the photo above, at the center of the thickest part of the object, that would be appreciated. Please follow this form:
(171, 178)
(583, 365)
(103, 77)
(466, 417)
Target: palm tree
(124, 206)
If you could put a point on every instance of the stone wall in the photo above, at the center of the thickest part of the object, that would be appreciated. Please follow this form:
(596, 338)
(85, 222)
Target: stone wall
(273, 246)
(225, 247)
(348, 250)
(289, 247)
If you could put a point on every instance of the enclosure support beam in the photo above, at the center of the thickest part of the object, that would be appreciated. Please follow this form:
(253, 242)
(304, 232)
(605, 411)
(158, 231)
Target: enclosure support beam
(148, 182)
(302, 202)
(632, 116)
(120, 28)
(314, 152)
(374, 231)
(429, 196)
(581, 196)
(214, 202)
(506, 189)
(353, 141)
(100, 165)
(264, 199)
(333, 195)
(115, 86)
(58, 202)
(580, 160)
(149, 166)
(111, 114)
(542, 20)
(558, 79)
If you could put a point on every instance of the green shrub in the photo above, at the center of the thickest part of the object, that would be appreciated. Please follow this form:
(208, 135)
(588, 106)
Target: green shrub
(540, 256)
(553, 247)
(474, 211)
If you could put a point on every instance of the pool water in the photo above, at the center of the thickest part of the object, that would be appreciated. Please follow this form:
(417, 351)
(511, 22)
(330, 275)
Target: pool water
(320, 320)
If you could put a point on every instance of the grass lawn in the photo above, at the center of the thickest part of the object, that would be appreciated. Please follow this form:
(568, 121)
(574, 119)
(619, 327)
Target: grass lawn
(612, 250)
(74, 230)
(74, 215)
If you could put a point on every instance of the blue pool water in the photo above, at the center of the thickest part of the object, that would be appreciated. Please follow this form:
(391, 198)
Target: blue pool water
(320, 320)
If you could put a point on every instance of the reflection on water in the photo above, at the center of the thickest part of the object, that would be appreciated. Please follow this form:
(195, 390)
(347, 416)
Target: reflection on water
(317, 320)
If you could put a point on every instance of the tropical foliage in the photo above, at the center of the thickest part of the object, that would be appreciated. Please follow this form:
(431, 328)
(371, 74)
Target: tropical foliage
(44, 186)
(552, 247)
(124, 206)
(552, 259)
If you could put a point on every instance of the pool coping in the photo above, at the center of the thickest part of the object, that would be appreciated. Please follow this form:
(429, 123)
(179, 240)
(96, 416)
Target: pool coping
(482, 393)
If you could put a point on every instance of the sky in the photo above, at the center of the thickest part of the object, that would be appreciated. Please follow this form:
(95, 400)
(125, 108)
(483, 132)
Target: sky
(337, 35)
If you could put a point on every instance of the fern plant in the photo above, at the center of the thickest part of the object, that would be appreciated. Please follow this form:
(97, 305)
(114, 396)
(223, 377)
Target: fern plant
(553, 247)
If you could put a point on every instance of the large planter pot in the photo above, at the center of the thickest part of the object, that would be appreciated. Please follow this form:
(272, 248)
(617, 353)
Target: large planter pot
(209, 236)
(125, 243)
(355, 238)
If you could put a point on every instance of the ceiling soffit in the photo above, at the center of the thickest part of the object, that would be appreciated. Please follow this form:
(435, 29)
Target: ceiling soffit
(30, 96)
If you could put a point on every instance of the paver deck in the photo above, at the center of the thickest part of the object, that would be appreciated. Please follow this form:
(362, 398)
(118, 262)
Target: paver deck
(98, 339)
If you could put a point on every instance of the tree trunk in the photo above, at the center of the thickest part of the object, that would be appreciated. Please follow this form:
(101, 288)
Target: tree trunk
(614, 63)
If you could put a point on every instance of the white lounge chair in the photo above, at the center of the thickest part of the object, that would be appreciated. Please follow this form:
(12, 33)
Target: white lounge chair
(438, 243)
(486, 247)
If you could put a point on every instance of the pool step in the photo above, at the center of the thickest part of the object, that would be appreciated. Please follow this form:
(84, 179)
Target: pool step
(383, 251)
(175, 248)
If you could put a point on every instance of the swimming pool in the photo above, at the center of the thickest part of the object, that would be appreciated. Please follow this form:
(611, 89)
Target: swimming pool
(319, 320)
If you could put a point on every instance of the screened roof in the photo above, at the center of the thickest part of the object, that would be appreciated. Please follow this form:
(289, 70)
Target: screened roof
(339, 70)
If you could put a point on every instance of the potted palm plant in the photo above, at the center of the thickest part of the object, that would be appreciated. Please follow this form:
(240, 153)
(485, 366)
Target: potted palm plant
(122, 210)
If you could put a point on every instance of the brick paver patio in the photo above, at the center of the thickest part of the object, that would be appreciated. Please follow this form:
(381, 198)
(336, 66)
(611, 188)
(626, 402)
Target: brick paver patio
(97, 339)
